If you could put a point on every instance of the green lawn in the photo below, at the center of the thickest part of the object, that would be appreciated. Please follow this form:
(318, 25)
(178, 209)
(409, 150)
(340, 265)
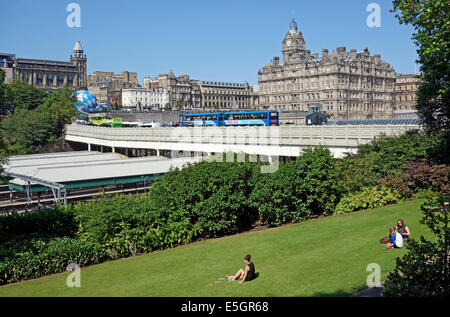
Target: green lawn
(322, 257)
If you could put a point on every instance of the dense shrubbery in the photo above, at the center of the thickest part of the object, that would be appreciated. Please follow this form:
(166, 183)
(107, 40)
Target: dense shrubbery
(419, 176)
(33, 244)
(386, 157)
(26, 257)
(46, 222)
(308, 186)
(207, 199)
(371, 197)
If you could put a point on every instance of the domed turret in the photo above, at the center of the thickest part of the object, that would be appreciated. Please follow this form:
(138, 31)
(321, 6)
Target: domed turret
(78, 50)
(79, 60)
(293, 43)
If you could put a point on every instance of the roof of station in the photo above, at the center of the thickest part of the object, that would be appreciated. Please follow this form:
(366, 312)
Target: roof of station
(393, 121)
(84, 166)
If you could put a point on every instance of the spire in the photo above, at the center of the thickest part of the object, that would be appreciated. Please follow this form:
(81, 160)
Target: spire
(293, 29)
(78, 50)
(77, 46)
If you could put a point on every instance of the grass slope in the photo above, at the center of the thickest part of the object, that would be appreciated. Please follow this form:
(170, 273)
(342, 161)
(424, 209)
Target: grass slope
(322, 257)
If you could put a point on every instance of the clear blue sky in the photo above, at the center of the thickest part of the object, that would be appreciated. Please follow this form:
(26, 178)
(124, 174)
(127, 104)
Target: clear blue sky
(207, 39)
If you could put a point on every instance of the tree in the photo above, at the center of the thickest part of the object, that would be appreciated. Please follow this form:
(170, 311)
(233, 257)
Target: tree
(27, 130)
(20, 95)
(430, 19)
(59, 107)
(3, 108)
(424, 270)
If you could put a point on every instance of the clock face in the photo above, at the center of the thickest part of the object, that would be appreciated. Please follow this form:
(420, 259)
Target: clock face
(288, 42)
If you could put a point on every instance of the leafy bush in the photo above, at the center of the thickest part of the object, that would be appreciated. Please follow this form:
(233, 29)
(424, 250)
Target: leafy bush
(308, 186)
(47, 222)
(104, 221)
(419, 177)
(425, 175)
(209, 196)
(394, 152)
(371, 197)
(358, 171)
(25, 259)
(206, 199)
(387, 157)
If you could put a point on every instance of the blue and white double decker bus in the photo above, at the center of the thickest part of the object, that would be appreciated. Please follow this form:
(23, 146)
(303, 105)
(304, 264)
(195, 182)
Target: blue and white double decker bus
(247, 118)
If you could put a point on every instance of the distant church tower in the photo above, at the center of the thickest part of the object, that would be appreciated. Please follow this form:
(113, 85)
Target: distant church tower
(79, 60)
(293, 43)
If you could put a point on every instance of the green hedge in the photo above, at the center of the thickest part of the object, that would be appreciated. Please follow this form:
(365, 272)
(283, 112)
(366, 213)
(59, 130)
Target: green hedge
(307, 186)
(27, 259)
(207, 199)
(47, 222)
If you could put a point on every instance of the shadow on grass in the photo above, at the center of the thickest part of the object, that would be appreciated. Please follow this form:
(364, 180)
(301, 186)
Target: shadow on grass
(341, 293)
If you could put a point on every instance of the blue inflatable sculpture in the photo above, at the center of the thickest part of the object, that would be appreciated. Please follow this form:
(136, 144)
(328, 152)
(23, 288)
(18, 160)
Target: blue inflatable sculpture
(86, 102)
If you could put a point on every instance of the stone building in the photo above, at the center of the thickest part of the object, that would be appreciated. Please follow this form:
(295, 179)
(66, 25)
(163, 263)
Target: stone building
(184, 93)
(143, 98)
(227, 96)
(159, 98)
(129, 79)
(104, 89)
(349, 84)
(187, 93)
(406, 95)
(6, 64)
(138, 98)
(48, 74)
(107, 86)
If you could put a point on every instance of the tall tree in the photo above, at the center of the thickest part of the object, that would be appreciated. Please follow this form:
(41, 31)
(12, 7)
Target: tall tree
(430, 19)
(20, 95)
(3, 105)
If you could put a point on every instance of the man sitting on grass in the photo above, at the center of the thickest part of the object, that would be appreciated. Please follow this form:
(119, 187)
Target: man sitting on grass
(245, 275)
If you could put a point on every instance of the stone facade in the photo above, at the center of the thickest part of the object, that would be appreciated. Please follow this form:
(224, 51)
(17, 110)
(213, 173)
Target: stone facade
(142, 98)
(6, 64)
(184, 93)
(187, 93)
(47, 74)
(406, 92)
(159, 98)
(129, 79)
(225, 96)
(349, 84)
(107, 86)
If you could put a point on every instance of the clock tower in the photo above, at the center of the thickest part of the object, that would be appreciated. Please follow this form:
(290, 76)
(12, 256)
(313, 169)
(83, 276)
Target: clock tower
(293, 44)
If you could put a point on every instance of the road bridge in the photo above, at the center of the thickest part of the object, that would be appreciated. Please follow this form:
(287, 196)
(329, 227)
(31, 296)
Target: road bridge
(280, 141)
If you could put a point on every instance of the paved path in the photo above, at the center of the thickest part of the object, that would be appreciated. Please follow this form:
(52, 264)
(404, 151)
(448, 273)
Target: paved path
(370, 292)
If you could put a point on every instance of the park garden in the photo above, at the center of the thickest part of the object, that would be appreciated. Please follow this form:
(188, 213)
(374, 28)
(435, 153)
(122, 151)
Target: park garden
(209, 200)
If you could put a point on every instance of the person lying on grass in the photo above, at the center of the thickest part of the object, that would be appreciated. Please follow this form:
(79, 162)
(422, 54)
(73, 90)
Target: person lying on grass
(395, 239)
(245, 275)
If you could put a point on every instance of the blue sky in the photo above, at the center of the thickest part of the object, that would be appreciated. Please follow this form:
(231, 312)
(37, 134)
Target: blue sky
(209, 40)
